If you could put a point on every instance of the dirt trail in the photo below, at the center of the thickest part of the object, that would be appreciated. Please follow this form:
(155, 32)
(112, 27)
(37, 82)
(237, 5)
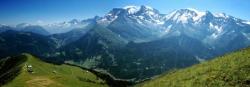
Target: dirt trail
(42, 82)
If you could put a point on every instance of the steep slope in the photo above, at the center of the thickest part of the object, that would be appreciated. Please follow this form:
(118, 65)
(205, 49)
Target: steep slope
(230, 70)
(144, 60)
(14, 72)
(15, 42)
(4, 28)
(35, 29)
(71, 36)
(134, 23)
(219, 31)
(93, 49)
(102, 49)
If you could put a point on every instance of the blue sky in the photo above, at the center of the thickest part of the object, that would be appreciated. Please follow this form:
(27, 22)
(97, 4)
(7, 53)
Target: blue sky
(48, 11)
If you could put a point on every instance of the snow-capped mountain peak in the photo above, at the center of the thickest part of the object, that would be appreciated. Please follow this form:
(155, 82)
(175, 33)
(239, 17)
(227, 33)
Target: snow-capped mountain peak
(149, 15)
(144, 8)
(141, 14)
(186, 15)
(131, 9)
(149, 11)
(22, 25)
(135, 9)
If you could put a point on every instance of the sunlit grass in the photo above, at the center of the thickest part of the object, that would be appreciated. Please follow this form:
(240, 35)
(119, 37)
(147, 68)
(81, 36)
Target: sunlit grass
(50, 75)
(231, 70)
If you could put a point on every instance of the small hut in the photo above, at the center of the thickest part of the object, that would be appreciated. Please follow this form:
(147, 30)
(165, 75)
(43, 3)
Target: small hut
(29, 68)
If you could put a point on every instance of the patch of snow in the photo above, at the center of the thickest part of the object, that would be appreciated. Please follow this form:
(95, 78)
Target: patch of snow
(168, 28)
(183, 19)
(211, 25)
(141, 17)
(150, 13)
(107, 19)
(247, 35)
(192, 9)
(218, 30)
(23, 25)
(139, 21)
(159, 22)
(130, 6)
(216, 27)
(240, 24)
(148, 7)
(223, 15)
(132, 9)
(246, 22)
(175, 16)
(214, 35)
(170, 15)
(199, 15)
(62, 27)
(109, 14)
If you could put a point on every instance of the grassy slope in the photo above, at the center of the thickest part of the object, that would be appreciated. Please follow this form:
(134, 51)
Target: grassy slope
(43, 76)
(231, 70)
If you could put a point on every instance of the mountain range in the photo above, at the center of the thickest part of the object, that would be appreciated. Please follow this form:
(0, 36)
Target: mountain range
(133, 42)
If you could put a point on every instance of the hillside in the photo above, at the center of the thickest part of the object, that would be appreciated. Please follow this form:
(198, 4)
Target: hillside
(231, 70)
(131, 42)
(16, 42)
(14, 72)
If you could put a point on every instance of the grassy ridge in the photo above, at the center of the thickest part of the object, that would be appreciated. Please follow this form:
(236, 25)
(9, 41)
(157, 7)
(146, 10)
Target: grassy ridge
(50, 75)
(231, 70)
